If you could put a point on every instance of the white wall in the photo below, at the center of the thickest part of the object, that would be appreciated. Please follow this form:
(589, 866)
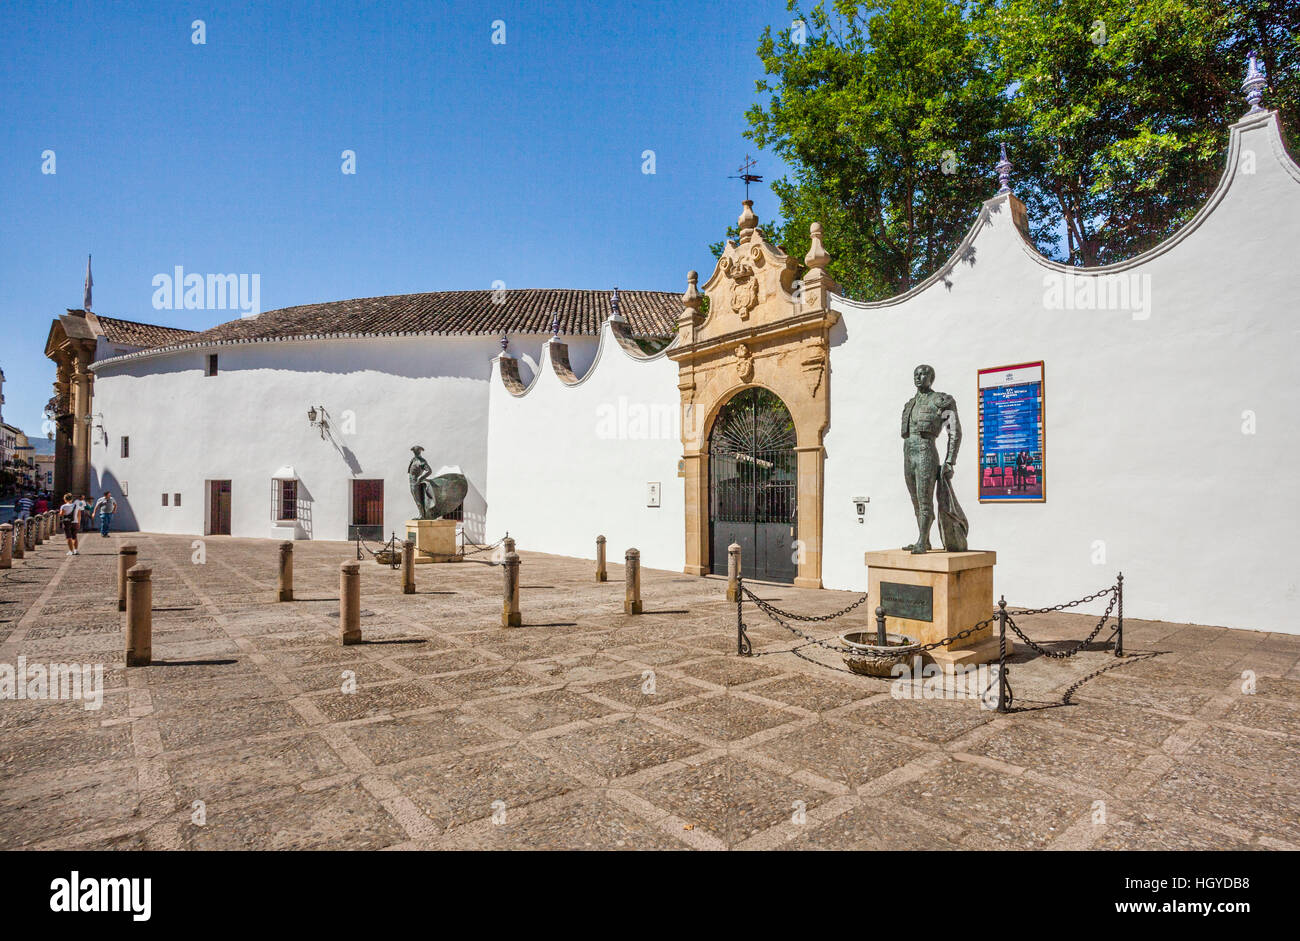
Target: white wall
(1144, 444)
(567, 463)
(250, 419)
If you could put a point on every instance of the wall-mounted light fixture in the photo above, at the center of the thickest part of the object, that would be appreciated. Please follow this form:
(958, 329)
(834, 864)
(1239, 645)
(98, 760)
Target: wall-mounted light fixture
(318, 418)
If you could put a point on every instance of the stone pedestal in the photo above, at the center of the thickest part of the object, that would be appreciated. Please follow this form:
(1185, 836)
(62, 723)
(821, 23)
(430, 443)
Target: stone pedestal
(435, 541)
(935, 595)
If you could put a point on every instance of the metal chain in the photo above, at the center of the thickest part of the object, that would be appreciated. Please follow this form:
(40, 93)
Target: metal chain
(1063, 654)
(807, 617)
(1069, 604)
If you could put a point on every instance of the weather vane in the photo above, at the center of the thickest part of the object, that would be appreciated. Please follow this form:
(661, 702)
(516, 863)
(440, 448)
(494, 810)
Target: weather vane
(745, 175)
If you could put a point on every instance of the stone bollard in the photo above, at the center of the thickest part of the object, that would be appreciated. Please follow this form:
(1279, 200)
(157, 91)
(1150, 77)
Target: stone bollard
(510, 614)
(139, 616)
(350, 601)
(733, 572)
(601, 574)
(6, 546)
(286, 571)
(48, 522)
(408, 568)
(38, 531)
(125, 559)
(31, 534)
(507, 546)
(19, 540)
(632, 597)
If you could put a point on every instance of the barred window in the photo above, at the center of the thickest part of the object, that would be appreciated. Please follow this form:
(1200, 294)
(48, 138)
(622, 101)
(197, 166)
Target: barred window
(284, 500)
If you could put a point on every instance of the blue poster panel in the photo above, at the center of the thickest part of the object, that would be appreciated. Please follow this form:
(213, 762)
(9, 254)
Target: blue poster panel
(1013, 433)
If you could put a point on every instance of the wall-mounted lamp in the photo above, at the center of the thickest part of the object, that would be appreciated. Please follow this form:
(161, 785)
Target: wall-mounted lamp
(318, 418)
(860, 504)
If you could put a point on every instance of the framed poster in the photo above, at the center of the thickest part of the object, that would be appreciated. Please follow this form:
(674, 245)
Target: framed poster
(1012, 434)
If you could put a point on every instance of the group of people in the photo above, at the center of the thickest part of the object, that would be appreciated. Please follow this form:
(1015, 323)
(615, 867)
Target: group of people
(76, 513)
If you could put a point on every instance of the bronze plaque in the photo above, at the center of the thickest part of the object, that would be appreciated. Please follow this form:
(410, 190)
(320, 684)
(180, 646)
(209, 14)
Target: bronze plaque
(914, 602)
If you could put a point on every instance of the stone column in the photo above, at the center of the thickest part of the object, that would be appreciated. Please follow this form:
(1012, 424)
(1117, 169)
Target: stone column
(632, 593)
(601, 574)
(733, 571)
(350, 601)
(511, 616)
(62, 391)
(408, 568)
(139, 616)
(810, 517)
(6, 545)
(286, 571)
(125, 559)
(697, 513)
(79, 472)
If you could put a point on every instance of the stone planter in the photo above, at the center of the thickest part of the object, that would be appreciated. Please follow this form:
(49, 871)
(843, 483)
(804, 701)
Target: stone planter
(869, 659)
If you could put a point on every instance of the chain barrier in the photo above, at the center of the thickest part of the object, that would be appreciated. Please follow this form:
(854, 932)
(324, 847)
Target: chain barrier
(1065, 654)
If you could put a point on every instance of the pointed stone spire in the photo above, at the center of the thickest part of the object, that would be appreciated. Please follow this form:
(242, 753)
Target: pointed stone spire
(692, 302)
(817, 256)
(614, 314)
(748, 220)
(90, 283)
(1004, 173)
(1255, 83)
(555, 326)
(505, 343)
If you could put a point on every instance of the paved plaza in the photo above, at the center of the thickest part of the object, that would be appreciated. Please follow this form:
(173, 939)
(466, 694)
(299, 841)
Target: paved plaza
(591, 729)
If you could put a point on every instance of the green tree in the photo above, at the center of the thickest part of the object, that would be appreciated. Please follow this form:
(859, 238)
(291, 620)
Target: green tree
(1115, 113)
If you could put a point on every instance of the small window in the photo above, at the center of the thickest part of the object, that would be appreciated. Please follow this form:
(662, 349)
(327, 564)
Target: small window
(164, 499)
(176, 499)
(126, 446)
(284, 496)
(212, 364)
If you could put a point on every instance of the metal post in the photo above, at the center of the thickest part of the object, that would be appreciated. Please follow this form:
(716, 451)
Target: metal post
(743, 647)
(882, 639)
(350, 601)
(733, 571)
(1002, 654)
(510, 614)
(601, 574)
(125, 559)
(408, 567)
(139, 616)
(632, 593)
(6, 546)
(1119, 602)
(286, 571)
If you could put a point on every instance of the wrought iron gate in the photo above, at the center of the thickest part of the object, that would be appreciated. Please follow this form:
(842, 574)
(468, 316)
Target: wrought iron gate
(753, 486)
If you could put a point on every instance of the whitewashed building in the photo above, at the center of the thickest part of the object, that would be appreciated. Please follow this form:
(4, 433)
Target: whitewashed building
(1154, 433)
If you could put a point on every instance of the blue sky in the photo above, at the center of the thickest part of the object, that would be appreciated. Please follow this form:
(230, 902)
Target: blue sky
(475, 161)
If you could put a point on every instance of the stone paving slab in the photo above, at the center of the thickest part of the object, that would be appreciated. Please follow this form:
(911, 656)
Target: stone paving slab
(591, 729)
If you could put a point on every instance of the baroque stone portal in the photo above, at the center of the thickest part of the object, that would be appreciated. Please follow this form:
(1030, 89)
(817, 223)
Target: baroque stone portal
(924, 415)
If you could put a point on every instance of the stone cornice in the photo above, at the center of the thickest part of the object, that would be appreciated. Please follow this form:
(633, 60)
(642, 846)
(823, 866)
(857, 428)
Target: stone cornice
(810, 323)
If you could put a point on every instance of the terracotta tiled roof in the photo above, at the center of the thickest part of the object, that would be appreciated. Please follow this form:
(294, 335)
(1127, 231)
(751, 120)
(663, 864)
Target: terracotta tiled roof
(529, 310)
(131, 333)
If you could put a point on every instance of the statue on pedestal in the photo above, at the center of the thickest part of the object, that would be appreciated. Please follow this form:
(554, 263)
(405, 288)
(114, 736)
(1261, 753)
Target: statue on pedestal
(434, 497)
(924, 416)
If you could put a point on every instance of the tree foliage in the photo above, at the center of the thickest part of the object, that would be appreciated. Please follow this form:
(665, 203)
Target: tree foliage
(1115, 114)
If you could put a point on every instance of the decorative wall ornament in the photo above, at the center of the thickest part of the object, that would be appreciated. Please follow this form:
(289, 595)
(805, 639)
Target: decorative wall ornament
(744, 291)
(744, 363)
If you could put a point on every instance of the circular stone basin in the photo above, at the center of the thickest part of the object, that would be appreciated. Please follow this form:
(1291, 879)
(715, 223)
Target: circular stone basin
(870, 659)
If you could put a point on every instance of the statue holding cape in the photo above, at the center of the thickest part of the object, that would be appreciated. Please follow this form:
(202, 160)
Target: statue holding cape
(924, 416)
(434, 497)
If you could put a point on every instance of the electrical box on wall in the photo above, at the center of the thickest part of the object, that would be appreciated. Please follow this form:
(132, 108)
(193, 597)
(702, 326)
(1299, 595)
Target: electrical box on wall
(652, 494)
(860, 505)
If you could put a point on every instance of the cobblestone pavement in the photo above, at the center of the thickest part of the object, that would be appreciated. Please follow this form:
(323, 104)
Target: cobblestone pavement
(550, 728)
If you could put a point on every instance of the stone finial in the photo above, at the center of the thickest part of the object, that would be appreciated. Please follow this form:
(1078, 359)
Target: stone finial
(505, 342)
(692, 300)
(1255, 83)
(555, 326)
(1004, 173)
(614, 313)
(748, 221)
(817, 256)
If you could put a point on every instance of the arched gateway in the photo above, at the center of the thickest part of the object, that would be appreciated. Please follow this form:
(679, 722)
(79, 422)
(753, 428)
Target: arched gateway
(753, 376)
(754, 486)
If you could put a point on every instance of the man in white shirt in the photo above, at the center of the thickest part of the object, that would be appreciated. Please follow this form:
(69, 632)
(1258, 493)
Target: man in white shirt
(104, 509)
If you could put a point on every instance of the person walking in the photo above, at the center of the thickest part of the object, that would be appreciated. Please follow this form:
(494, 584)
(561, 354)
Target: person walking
(68, 520)
(105, 507)
(83, 513)
(42, 504)
(23, 506)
